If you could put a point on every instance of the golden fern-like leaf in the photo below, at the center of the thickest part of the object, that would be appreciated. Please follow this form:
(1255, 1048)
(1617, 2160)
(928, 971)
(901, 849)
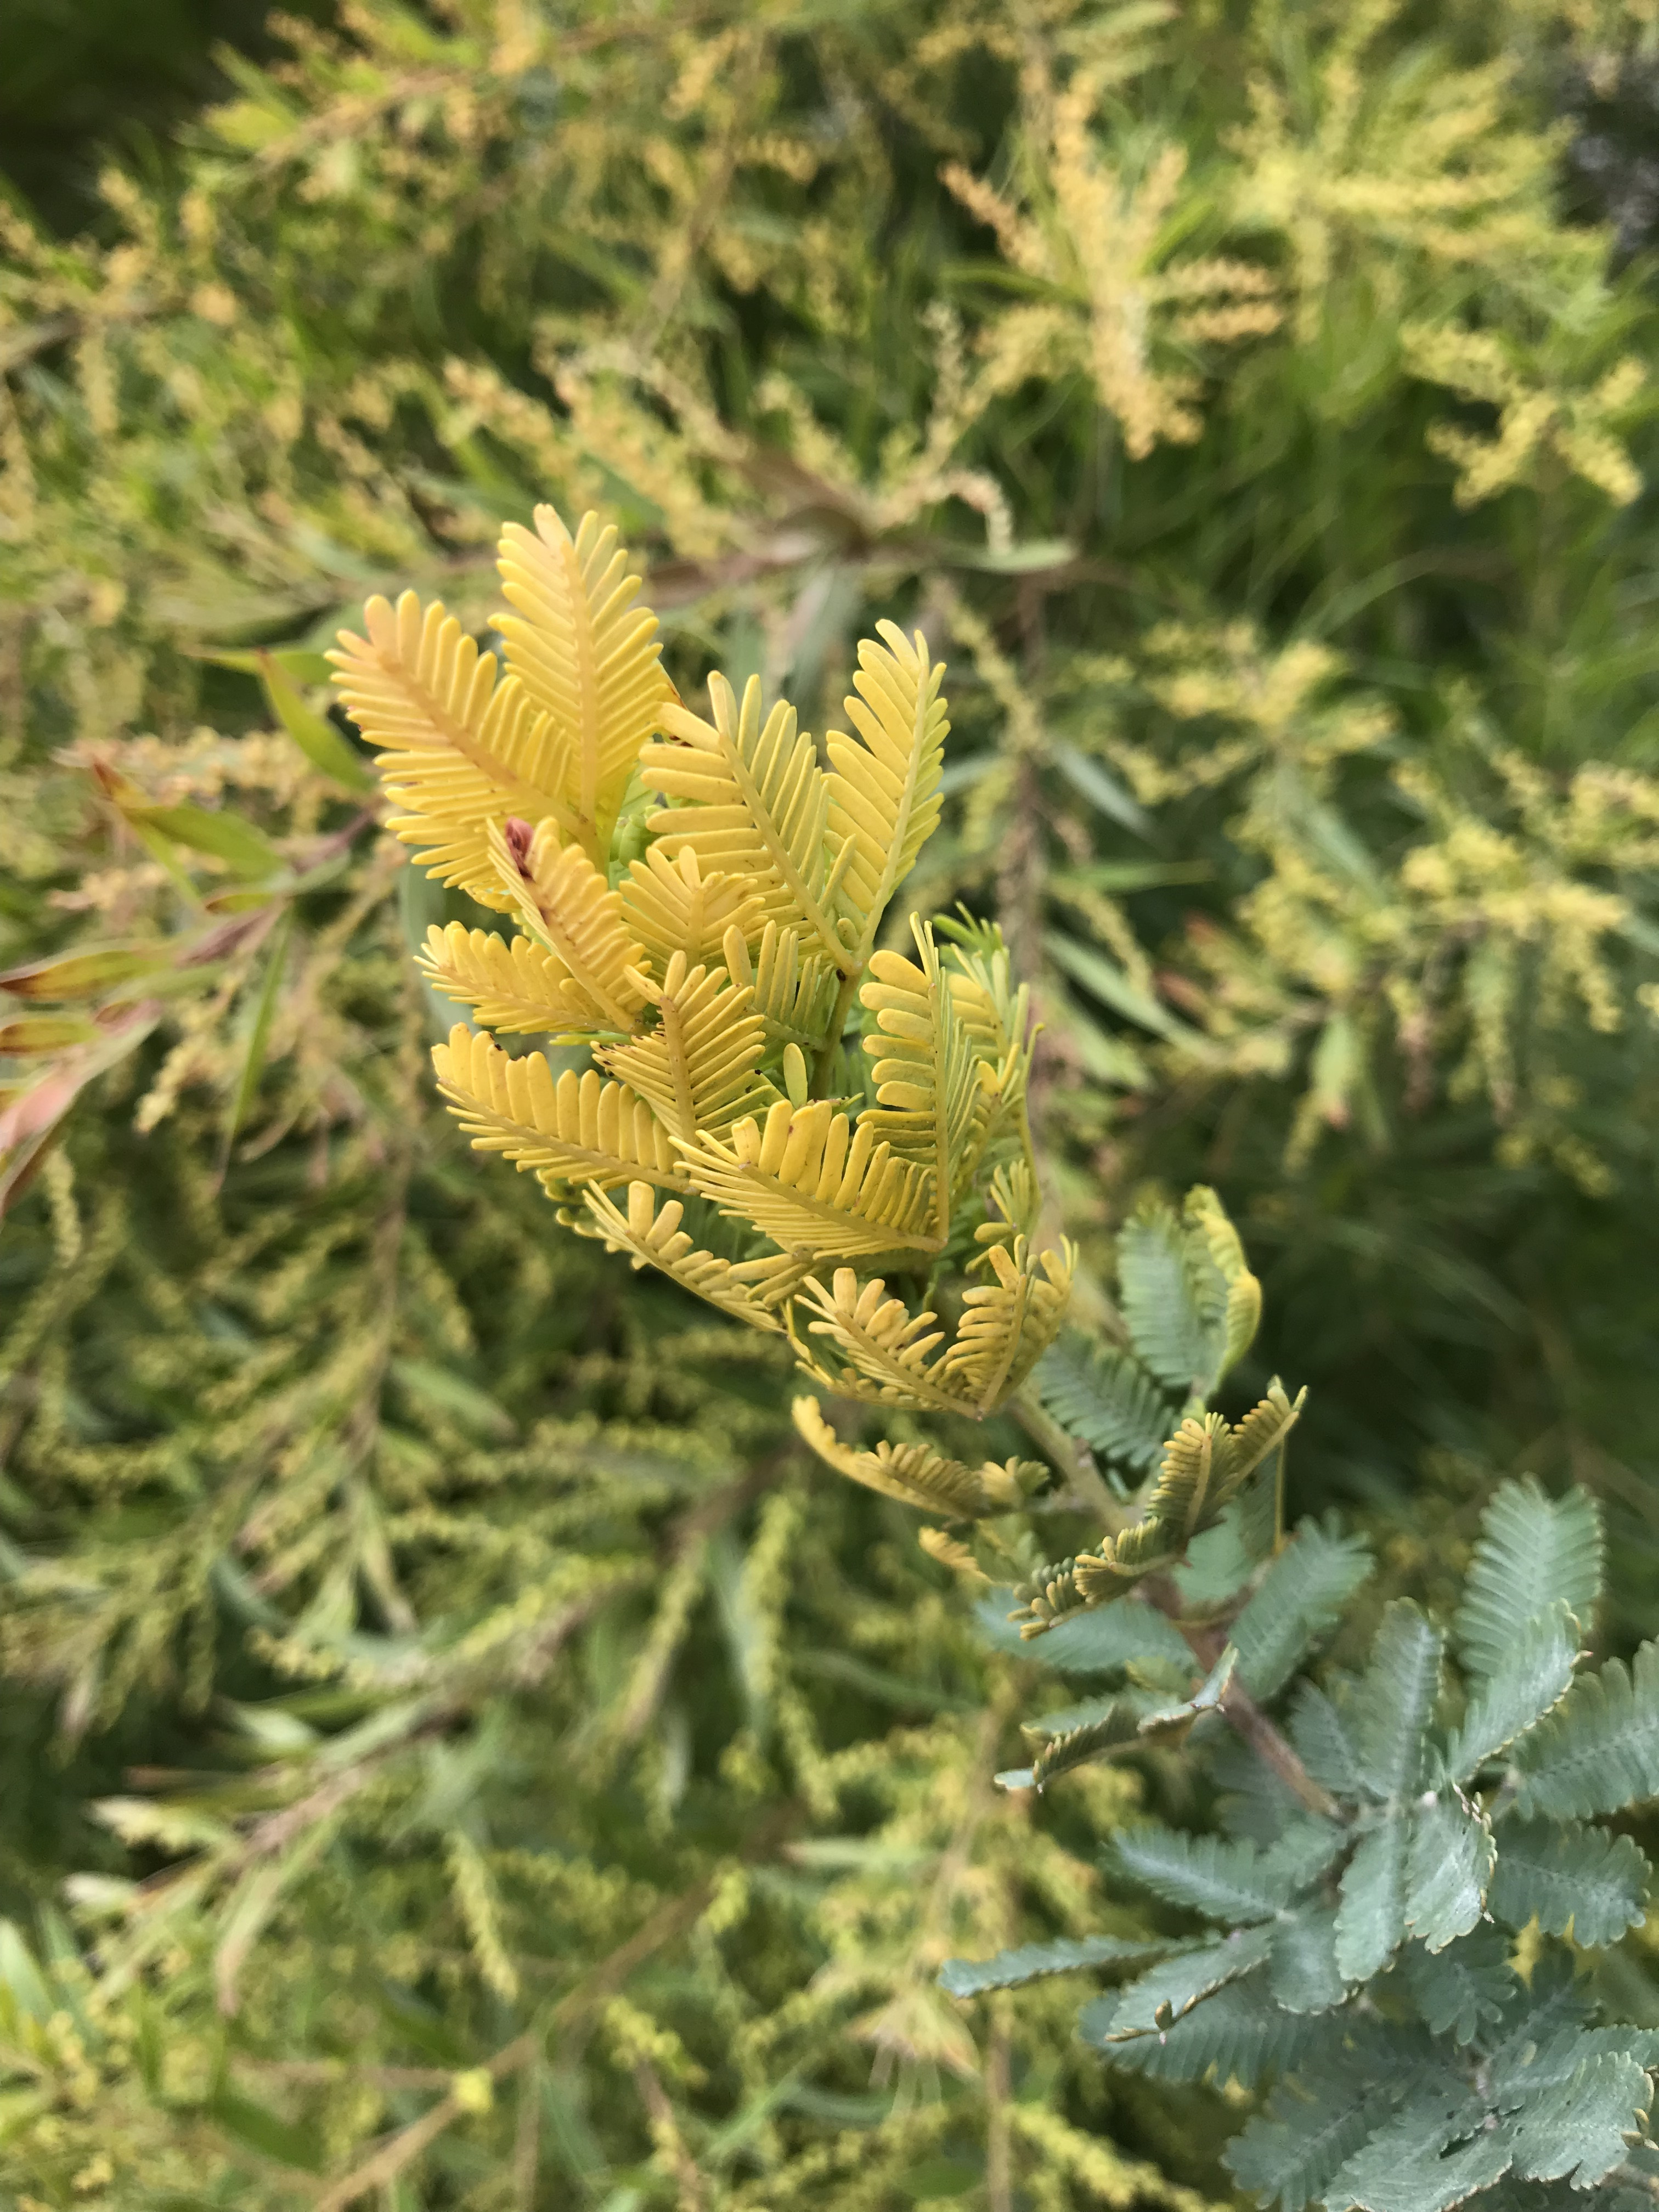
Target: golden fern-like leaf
(794, 995)
(672, 906)
(750, 1290)
(759, 810)
(586, 654)
(564, 900)
(933, 1099)
(697, 1069)
(917, 1475)
(1006, 1326)
(578, 1129)
(458, 749)
(808, 1177)
(512, 985)
(885, 794)
(886, 1346)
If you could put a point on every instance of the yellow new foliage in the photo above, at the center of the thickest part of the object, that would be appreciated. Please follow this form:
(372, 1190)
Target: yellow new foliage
(713, 979)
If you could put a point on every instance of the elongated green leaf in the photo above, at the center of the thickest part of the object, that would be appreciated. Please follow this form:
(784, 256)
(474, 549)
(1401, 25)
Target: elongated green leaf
(85, 973)
(253, 1058)
(1568, 1877)
(1394, 1703)
(323, 745)
(1449, 1866)
(1534, 1552)
(968, 1977)
(1302, 1595)
(1463, 1988)
(1529, 1680)
(244, 850)
(1118, 1724)
(1599, 1750)
(1225, 1882)
(1370, 1921)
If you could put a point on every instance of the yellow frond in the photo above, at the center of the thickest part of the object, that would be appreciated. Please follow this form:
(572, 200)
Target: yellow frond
(697, 1069)
(672, 906)
(808, 1177)
(564, 900)
(458, 749)
(1242, 1317)
(933, 1100)
(516, 985)
(886, 1345)
(1205, 1464)
(1006, 1326)
(578, 1129)
(759, 812)
(917, 1475)
(748, 1289)
(795, 994)
(885, 794)
(587, 655)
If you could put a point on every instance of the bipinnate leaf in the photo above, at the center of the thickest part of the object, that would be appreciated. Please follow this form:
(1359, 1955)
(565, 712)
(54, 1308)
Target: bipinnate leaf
(1449, 1866)
(574, 1129)
(1103, 1641)
(1303, 1971)
(1323, 1741)
(586, 654)
(1533, 1553)
(1427, 2158)
(885, 792)
(1228, 1882)
(513, 986)
(749, 1291)
(1238, 2033)
(1174, 1298)
(698, 1068)
(565, 901)
(1599, 1750)
(1150, 2005)
(794, 993)
(1009, 1970)
(1106, 1399)
(1242, 1313)
(931, 1094)
(1316, 2119)
(1529, 1680)
(1569, 1877)
(916, 1474)
(1395, 1702)
(1464, 1987)
(672, 906)
(757, 810)
(1006, 1324)
(1371, 1919)
(1115, 1727)
(1302, 1595)
(1577, 2131)
(458, 750)
(810, 1179)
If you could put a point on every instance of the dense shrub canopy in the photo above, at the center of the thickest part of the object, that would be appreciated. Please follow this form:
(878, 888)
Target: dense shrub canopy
(460, 1742)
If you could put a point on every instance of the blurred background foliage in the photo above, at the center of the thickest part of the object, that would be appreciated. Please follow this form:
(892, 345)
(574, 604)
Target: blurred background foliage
(456, 1751)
